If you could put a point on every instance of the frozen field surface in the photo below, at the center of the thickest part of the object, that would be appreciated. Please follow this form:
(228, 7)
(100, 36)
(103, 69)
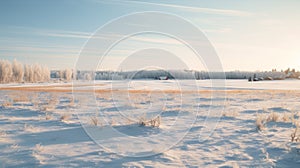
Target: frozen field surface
(110, 124)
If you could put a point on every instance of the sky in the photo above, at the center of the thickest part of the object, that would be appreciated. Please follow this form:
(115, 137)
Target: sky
(247, 35)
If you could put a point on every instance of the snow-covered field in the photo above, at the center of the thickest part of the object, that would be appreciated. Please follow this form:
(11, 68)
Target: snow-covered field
(202, 124)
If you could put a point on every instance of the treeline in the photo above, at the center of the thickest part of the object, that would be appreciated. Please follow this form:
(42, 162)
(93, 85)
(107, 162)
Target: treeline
(170, 74)
(63, 75)
(17, 72)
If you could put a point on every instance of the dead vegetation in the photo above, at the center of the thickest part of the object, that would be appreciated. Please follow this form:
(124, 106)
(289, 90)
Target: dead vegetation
(260, 122)
(6, 104)
(295, 136)
(230, 113)
(2, 133)
(95, 121)
(38, 148)
(273, 117)
(29, 128)
(48, 116)
(65, 117)
(154, 122)
(286, 117)
(263, 119)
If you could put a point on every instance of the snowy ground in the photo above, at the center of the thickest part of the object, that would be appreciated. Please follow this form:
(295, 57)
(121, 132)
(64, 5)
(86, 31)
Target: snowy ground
(202, 125)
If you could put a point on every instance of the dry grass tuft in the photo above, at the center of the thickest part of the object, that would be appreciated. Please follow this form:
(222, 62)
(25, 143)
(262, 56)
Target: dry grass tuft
(129, 121)
(38, 148)
(71, 103)
(14, 146)
(65, 117)
(113, 122)
(295, 136)
(20, 98)
(7, 104)
(263, 119)
(46, 108)
(154, 122)
(2, 133)
(260, 122)
(48, 116)
(230, 114)
(95, 121)
(29, 128)
(286, 117)
(273, 117)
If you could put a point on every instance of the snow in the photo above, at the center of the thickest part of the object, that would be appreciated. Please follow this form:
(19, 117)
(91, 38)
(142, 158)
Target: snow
(211, 127)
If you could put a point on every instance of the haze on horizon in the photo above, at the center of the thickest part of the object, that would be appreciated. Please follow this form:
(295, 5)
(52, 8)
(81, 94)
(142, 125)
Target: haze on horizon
(248, 35)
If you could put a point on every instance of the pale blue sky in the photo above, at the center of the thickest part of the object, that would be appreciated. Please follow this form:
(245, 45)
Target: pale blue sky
(247, 35)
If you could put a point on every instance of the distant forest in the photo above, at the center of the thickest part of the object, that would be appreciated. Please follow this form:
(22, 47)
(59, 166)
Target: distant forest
(177, 74)
(16, 72)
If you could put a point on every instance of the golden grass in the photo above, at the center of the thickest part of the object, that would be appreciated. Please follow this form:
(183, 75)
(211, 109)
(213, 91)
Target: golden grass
(69, 88)
(49, 88)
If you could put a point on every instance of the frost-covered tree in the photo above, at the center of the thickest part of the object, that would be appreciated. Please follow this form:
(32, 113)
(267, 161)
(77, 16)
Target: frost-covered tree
(68, 74)
(18, 71)
(74, 74)
(6, 72)
(87, 76)
(61, 74)
(46, 74)
(37, 73)
(40, 73)
(28, 73)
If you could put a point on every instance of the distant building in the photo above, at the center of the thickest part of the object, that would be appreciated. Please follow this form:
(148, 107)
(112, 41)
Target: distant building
(163, 78)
